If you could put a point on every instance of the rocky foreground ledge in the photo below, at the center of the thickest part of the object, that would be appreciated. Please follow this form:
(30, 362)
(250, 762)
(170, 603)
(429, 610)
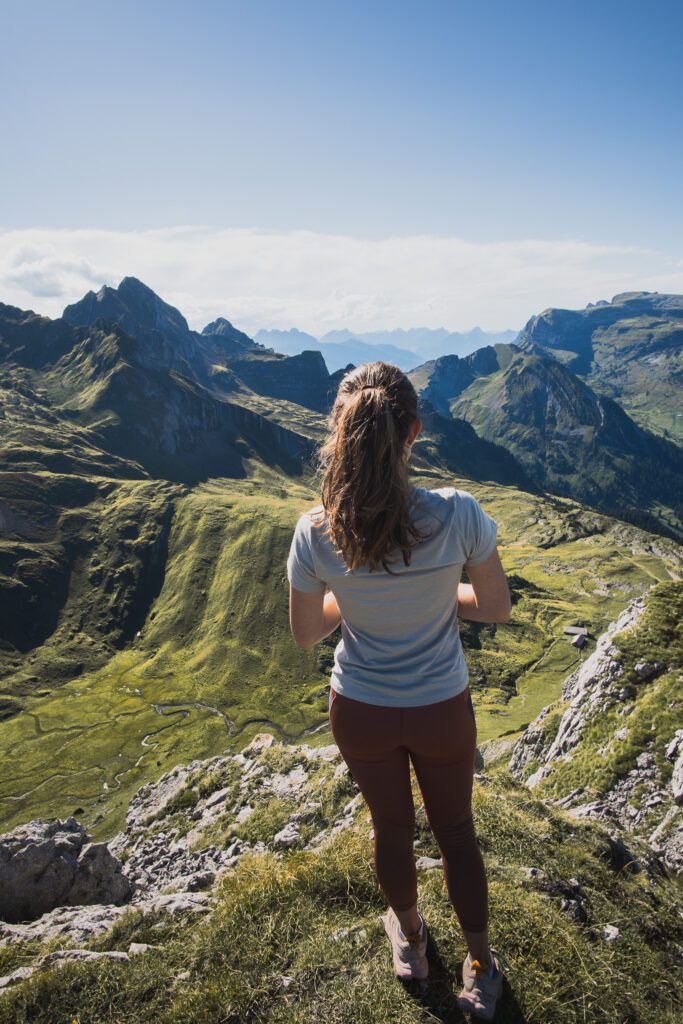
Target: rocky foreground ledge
(181, 833)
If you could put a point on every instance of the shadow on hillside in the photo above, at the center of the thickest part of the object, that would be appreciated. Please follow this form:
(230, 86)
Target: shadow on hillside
(438, 995)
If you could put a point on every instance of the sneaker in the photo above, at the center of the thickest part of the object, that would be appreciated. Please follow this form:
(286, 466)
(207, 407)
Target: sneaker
(410, 960)
(480, 991)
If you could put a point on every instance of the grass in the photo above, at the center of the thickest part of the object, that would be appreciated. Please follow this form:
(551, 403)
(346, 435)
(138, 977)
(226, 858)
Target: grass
(269, 951)
(646, 382)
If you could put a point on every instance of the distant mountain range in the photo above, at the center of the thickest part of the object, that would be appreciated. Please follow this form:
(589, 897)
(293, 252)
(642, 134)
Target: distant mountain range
(119, 393)
(133, 387)
(404, 348)
(166, 401)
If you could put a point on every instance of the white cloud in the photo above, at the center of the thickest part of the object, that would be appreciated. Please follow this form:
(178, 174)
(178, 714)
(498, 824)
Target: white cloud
(317, 282)
(40, 269)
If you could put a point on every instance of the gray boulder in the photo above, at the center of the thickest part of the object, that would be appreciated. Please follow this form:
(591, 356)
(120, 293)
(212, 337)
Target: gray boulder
(46, 864)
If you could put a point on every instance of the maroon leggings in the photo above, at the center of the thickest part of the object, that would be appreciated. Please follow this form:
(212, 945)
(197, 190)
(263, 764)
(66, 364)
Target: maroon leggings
(378, 743)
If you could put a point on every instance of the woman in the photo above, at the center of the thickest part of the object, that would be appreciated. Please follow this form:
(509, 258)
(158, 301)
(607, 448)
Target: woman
(384, 559)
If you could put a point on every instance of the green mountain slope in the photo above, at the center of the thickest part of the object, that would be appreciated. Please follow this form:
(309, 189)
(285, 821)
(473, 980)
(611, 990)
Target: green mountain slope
(131, 393)
(150, 480)
(215, 662)
(146, 521)
(630, 349)
(568, 439)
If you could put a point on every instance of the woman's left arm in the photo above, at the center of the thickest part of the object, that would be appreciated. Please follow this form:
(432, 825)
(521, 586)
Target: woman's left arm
(312, 616)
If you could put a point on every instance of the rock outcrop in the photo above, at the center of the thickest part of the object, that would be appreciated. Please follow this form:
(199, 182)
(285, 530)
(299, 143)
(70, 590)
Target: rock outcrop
(590, 687)
(640, 800)
(181, 833)
(46, 864)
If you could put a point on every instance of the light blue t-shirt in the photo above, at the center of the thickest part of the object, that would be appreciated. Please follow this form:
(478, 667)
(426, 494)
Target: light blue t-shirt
(400, 642)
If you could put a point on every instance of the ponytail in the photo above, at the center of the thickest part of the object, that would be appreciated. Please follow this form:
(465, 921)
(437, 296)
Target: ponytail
(366, 492)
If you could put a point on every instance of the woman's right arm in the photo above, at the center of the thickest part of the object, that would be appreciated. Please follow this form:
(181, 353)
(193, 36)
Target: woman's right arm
(487, 597)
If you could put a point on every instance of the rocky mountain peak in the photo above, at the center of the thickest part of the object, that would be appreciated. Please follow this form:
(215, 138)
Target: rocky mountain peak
(133, 304)
(222, 332)
(219, 326)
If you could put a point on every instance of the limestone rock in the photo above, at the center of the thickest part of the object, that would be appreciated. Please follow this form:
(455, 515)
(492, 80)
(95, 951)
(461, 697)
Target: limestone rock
(288, 836)
(677, 778)
(289, 784)
(78, 923)
(98, 877)
(46, 864)
(139, 947)
(58, 957)
(428, 863)
(646, 669)
(638, 799)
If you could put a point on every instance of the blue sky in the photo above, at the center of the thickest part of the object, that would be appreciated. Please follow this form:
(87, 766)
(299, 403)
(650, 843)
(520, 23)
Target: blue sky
(492, 124)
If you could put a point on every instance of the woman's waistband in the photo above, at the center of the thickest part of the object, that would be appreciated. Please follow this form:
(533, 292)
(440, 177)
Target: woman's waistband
(463, 695)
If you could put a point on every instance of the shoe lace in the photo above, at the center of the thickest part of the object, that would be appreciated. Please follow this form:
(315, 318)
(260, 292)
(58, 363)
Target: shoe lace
(483, 972)
(484, 985)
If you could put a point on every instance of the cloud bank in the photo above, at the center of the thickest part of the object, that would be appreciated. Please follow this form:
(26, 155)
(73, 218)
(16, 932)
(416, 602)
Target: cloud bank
(318, 282)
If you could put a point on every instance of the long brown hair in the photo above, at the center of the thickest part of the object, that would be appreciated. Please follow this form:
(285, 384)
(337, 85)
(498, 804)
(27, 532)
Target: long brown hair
(366, 492)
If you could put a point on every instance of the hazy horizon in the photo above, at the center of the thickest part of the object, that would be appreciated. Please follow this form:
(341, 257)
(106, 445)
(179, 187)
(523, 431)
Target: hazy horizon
(317, 283)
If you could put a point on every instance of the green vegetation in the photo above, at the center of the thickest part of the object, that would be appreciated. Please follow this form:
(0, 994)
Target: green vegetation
(268, 818)
(296, 938)
(639, 362)
(144, 621)
(216, 663)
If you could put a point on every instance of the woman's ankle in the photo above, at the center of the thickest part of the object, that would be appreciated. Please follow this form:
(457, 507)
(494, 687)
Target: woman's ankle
(407, 919)
(420, 928)
(478, 946)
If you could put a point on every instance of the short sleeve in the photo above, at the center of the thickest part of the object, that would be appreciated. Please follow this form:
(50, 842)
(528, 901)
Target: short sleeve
(300, 567)
(480, 530)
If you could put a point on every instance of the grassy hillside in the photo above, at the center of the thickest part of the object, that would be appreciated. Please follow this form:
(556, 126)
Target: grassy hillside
(564, 436)
(574, 443)
(215, 662)
(639, 362)
(144, 624)
(295, 937)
